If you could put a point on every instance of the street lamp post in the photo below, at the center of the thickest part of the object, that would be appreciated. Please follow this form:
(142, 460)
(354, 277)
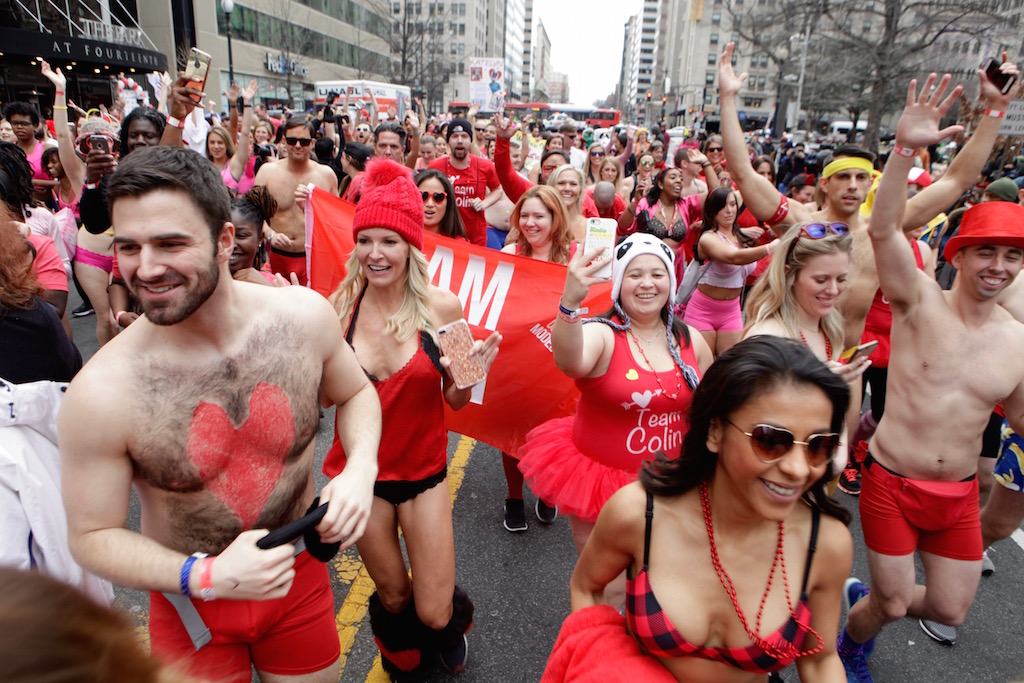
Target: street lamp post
(228, 6)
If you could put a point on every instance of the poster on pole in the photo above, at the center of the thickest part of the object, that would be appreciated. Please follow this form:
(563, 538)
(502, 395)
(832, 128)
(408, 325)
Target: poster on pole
(1013, 124)
(487, 83)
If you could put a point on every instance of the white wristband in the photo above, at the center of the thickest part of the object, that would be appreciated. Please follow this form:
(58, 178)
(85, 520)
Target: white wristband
(177, 123)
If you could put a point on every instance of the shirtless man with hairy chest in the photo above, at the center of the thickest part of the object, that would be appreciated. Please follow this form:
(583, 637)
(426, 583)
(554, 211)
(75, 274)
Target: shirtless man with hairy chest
(208, 406)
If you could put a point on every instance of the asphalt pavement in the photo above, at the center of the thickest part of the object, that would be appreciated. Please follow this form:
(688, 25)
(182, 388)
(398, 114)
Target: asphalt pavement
(519, 584)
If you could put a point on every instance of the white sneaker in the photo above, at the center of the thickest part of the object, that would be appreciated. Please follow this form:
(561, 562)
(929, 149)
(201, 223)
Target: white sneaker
(988, 567)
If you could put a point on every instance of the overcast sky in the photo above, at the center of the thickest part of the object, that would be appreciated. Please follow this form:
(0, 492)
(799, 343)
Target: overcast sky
(572, 26)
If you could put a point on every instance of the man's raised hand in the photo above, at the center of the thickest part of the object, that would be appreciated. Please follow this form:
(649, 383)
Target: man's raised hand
(729, 84)
(919, 124)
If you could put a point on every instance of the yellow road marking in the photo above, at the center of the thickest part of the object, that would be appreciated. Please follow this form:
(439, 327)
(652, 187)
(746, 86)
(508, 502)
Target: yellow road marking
(353, 609)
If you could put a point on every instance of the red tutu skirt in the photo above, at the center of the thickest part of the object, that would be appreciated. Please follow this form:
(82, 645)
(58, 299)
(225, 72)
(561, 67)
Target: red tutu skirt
(560, 474)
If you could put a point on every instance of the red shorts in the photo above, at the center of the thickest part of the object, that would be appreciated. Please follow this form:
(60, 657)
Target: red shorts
(290, 636)
(901, 515)
(286, 262)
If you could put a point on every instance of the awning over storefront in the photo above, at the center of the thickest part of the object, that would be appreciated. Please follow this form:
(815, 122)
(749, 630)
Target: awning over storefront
(60, 49)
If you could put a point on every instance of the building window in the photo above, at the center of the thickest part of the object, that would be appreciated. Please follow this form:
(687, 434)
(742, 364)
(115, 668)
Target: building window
(866, 28)
(462, 9)
(714, 39)
(709, 77)
(462, 68)
(716, 18)
(712, 59)
(397, 8)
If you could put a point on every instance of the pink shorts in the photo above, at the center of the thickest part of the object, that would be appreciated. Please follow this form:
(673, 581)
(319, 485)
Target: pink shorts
(900, 515)
(290, 636)
(705, 313)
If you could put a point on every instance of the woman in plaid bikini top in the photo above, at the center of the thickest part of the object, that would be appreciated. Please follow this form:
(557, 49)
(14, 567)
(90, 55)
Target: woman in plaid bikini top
(763, 435)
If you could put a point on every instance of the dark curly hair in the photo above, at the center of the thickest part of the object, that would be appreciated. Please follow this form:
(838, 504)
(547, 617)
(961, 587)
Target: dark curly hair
(149, 114)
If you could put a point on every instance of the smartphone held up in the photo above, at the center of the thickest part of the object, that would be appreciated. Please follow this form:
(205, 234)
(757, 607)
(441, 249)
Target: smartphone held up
(456, 342)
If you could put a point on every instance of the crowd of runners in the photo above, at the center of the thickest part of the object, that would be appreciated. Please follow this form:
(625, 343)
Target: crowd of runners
(756, 300)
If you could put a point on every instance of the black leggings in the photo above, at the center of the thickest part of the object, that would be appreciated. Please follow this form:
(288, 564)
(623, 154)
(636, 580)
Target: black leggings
(876, 377)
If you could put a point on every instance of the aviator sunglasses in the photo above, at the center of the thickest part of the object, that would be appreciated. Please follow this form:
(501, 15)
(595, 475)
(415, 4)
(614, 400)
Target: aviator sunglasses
(304, 142)
(770, 444)
(438, 197)
(817, 231)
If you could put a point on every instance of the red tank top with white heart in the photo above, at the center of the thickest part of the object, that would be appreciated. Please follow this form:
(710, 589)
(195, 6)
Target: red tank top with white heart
(626, 416)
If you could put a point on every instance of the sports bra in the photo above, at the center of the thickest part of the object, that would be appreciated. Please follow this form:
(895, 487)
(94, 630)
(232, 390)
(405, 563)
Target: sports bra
(721, 274)
(653, 630)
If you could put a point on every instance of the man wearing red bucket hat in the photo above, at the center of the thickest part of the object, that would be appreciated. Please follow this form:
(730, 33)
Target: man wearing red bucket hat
(956, 353)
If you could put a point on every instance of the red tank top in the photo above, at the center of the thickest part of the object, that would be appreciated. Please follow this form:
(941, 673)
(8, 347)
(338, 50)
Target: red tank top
(624, 418)
(878, 323)
(413, 435)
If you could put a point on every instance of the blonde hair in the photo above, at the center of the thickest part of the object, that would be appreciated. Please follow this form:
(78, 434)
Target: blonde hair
(588, 168)
(223, 134)
(617, 165)
(553, 183)
(412, 316)
(772, 299)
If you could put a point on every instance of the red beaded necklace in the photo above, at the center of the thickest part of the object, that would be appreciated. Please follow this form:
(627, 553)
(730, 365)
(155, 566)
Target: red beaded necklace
(828, 344)
(771, 649)
(657, 378)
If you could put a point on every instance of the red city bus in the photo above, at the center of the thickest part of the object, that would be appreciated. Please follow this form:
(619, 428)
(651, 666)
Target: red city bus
(603, 118)
(458, 108)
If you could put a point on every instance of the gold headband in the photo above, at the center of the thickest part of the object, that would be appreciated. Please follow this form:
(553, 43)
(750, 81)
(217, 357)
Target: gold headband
(846, 163)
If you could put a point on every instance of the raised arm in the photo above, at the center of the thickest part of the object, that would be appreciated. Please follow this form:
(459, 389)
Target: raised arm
(413, 131)
(73, 165)
(180, 104)
(761, 197)
(578, 351)
(968, 163)
(243, 149)
(918, 127)
(512, 183)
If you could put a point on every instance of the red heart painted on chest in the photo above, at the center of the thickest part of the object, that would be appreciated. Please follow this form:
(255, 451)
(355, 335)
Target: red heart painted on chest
(242, 465)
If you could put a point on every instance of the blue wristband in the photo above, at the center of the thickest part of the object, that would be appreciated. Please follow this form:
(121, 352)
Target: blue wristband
(186, 573)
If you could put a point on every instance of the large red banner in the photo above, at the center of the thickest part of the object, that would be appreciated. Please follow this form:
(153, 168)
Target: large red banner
(514, 295)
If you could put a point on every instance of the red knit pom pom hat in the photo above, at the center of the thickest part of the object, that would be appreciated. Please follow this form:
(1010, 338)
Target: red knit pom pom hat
(390, 199)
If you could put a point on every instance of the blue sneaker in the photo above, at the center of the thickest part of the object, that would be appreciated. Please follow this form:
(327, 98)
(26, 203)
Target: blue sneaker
(853, 590)
(856, 667)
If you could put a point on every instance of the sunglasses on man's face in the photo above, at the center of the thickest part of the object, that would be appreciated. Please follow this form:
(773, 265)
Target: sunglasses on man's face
(771, 444)
(303, 142)
(438, 197)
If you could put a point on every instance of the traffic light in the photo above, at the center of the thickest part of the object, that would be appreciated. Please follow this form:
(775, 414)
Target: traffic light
(648, 97)
(664, 99)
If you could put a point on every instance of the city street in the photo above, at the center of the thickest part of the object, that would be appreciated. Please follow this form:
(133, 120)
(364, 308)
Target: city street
(519, 584)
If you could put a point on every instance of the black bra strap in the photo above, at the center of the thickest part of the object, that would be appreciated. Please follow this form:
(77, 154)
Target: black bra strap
(647, 530)
(350, 330)
(812, 546)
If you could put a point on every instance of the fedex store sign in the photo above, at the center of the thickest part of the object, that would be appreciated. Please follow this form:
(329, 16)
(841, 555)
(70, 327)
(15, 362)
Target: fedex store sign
(280, 65)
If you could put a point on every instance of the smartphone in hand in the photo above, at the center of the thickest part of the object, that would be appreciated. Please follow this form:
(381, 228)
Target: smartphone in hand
(1002, 81)
(601, 235)
(456, 341)
(196, 70)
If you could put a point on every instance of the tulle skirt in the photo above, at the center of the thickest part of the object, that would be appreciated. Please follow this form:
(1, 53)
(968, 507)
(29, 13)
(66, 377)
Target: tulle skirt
(560, 474)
